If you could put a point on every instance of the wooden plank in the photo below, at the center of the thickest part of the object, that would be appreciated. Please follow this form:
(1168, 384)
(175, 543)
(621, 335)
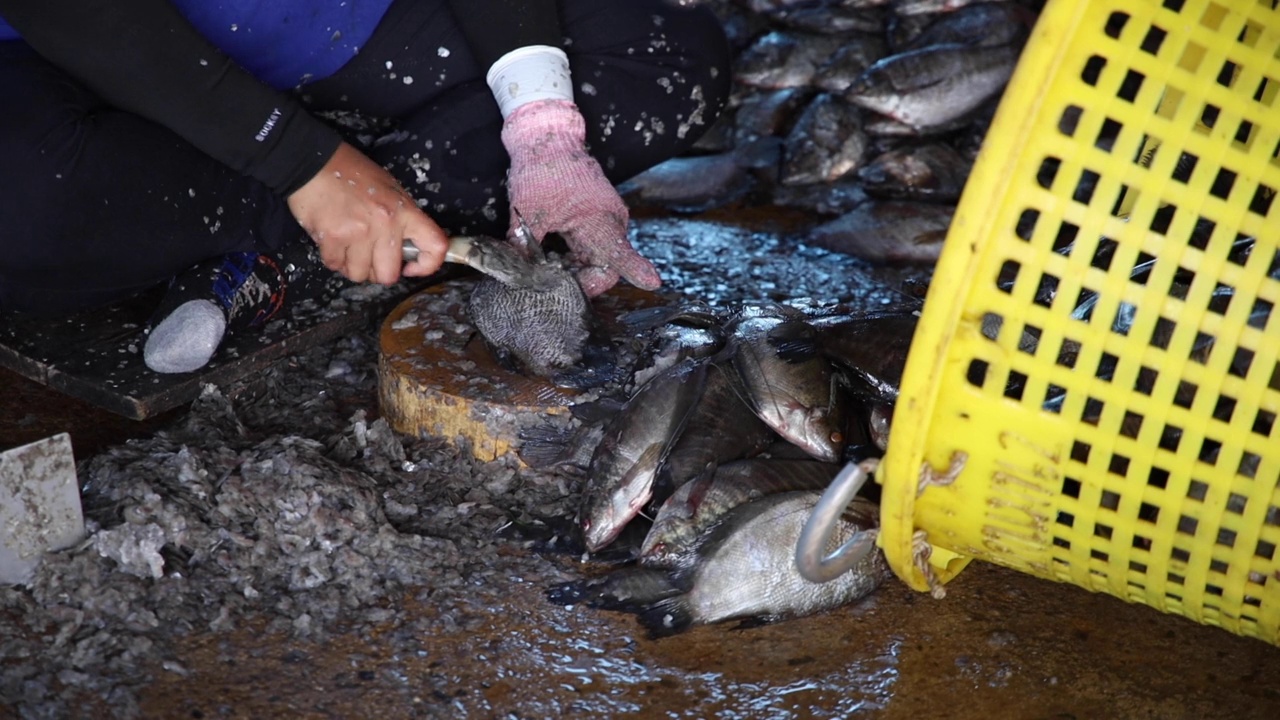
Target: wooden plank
(96, 356)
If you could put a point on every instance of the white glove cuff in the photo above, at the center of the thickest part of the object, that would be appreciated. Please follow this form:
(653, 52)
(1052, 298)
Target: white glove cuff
(529, 74)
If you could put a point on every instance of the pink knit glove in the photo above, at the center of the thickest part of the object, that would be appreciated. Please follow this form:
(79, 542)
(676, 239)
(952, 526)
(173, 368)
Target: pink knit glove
(559, 188)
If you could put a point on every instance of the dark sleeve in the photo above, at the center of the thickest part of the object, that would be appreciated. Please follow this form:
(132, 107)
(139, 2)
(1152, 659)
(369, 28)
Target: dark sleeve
(144, 57)
(494, 28)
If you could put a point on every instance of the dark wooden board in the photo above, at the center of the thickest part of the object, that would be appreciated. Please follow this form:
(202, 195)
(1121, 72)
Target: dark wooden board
(96, 356)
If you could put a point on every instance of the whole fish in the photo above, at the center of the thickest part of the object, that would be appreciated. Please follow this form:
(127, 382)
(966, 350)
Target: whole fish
(631, 451)
(689, 184)
(888, 232)
(933, 171)
(936, 85)
(781, 59)
(545, 326)
(799, 400)
(746, 567)
(721, 428)
(702, 502)
(825, 144)
(984, 24)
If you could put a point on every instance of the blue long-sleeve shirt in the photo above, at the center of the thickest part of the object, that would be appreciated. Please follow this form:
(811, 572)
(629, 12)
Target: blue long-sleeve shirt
(213, 71)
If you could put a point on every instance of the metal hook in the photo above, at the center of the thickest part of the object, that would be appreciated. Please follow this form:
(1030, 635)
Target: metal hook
(821, 525)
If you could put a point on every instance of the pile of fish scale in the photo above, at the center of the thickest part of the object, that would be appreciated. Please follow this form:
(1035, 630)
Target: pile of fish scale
(736, 422)
(869, 113)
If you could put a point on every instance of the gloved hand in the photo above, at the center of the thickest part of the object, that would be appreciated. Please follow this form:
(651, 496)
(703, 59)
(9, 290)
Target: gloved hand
(558, 187)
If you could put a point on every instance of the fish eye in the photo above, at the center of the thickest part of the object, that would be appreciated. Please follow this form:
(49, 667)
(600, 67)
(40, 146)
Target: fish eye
(586, 523)
(837, 436)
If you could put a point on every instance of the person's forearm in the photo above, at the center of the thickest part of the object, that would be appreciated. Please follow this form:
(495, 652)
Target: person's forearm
(144, 57)
(494, 28)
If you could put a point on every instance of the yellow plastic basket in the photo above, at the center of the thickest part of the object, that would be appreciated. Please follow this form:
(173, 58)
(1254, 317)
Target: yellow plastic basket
(1133, 449)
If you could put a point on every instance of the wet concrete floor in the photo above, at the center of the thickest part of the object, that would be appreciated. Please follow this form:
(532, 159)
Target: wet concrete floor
(1000, 645)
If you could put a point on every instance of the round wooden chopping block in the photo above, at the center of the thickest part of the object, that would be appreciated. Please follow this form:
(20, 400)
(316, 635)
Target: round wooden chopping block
(436, 375)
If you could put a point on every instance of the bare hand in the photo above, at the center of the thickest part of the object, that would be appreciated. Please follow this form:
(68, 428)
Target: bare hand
(359, 215)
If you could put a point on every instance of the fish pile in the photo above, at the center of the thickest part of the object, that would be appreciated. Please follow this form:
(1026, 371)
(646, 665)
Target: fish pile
(735, 422)
(869, 113)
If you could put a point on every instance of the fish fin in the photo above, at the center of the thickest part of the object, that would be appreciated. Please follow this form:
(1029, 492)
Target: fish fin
(931, 237)
(667, 617)
(794, 342)
(693, 314)
(545, 446)
(756, 621)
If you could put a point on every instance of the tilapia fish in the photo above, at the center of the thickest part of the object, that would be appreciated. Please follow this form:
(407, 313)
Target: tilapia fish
(721, 428)
(544, 325)
(745, 568)
(799, 400)
(933, 172)
(635, 443)
(784, 59)
(935, 85)
(825, 144)
(888, 232)
(702, 502)
(988, 24)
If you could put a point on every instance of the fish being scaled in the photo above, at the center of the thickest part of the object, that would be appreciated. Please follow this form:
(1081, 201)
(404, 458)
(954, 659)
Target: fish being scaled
(936, 85)
(545, 325)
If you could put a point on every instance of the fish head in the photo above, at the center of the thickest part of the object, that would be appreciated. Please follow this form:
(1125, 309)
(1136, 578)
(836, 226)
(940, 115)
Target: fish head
(605, 513)
(818, 431)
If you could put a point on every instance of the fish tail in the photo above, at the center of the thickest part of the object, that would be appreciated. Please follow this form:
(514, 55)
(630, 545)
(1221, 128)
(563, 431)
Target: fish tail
(670, 616)
(544, 446)
(629, 590)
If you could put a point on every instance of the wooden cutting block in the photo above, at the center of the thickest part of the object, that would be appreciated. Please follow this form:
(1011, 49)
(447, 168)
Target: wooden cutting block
(436, 375)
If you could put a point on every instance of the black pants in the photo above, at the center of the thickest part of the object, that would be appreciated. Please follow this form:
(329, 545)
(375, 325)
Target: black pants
(97, 204)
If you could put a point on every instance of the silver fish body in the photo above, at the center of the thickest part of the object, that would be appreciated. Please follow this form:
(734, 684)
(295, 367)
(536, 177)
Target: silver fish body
(746, 567)
(936, 85)
(634, 445)
(702, 502)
